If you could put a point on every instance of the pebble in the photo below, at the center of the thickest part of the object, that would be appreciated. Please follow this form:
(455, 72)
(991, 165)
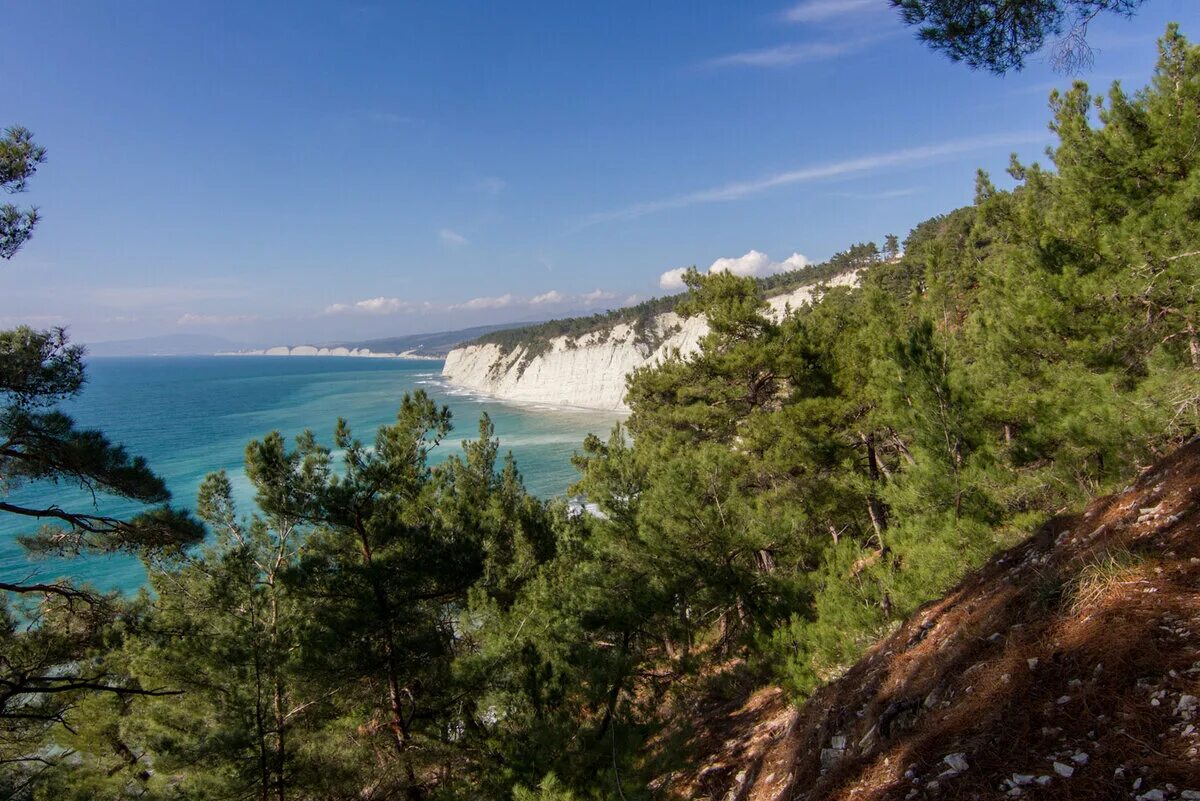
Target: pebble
(957, 762)
(1066, 771)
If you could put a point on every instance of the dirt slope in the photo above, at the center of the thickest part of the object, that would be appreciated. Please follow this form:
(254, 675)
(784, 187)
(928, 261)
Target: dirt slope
(1067, 667)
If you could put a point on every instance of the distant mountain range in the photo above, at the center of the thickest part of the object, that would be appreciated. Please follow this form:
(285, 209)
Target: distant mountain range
(437, 344)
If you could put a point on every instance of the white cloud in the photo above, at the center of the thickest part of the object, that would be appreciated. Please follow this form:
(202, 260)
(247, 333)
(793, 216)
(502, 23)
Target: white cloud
(596, 296)
(382, 305)
(475, 304)
(553, 296)
(451, 238)
(755, 264)
(788, 54)
(856, 166)
(672, 279)
(822, 10)
(216, 319)
(379, 305)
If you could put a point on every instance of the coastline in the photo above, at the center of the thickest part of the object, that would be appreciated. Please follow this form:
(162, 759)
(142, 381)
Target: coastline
(529, 403)
(352, 353)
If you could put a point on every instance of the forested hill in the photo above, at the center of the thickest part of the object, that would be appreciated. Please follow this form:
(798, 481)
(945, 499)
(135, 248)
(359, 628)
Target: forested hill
(587, 361)
(1066, 667)
(641, 316)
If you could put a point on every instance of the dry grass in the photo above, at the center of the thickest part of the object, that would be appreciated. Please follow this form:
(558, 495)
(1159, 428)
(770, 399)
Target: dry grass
(1101, 575)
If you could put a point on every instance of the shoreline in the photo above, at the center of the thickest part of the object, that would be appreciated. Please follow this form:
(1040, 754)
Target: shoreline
(303, 351)
(466, 391)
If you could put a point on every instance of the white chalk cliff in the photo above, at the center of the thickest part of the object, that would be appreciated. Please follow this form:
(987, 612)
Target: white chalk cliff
(313, 350)
(589, 371)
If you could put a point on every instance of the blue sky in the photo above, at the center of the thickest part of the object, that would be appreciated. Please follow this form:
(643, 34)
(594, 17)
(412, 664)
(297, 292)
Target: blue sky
(286, 172)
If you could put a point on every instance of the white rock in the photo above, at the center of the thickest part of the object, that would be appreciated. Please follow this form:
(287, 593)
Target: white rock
(957, 762)
(1080, 758)
(1066, 771)
(589, 371)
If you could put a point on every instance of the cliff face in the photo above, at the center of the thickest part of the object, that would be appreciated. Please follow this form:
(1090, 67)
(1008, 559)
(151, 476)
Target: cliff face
(589, 371)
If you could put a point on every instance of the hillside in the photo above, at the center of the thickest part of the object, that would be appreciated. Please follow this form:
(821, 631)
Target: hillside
(1066, 667)
(584, 361)
(438, 343)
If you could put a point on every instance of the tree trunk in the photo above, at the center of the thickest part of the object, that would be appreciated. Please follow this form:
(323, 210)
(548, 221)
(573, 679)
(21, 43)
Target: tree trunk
(278, 704)
(398, 724)
(614, 694)
(875, 509)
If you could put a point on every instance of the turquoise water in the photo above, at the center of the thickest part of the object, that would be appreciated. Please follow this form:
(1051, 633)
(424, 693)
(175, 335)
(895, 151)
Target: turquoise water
(189, 416)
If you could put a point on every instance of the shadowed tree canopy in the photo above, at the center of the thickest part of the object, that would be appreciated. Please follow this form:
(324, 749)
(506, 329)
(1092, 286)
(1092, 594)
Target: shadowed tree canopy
(998, 35)
(19, 159)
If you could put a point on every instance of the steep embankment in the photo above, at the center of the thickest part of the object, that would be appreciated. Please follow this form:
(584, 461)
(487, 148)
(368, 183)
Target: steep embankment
(1067, 667)
(589, 370)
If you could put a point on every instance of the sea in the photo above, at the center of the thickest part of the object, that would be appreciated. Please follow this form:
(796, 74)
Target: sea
(193, 415)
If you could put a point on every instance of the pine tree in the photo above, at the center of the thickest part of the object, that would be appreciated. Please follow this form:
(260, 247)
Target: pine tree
(53, 633)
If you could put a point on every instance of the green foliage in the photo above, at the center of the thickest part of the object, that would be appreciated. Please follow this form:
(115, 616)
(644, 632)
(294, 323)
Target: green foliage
(386, 627)
(999, 35)
(19, 160)
(534, 340)
(1013, 362)
(54, 635)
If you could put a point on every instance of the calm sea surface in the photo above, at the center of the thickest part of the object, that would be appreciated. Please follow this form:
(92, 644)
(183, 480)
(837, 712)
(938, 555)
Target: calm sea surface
(189, 416)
